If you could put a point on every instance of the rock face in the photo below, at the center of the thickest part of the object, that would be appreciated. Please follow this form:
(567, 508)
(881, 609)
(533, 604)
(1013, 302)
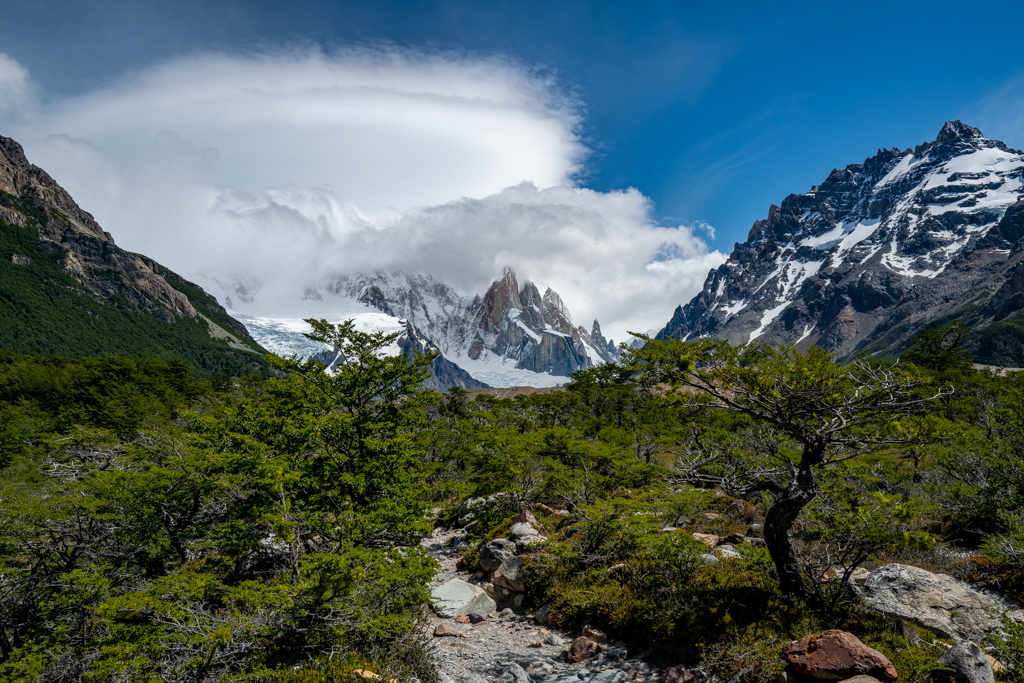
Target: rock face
(875, 252)
(837, 655)
(968, 663)
(454, 598)
(936, 602)
(62, 233)
(510, 322)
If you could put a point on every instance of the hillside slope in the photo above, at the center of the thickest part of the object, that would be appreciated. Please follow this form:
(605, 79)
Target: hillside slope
(67, 289)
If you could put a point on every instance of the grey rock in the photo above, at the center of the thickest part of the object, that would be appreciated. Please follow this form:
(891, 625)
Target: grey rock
(507, 613)
(514, 673)
(969, 665)
(610, 676)
(552, 639)
(493, 553)
(710, 559)
(473, 678)
(442, 677)
(476, 617)
(726, 552)
(524, 531)
(537, 665)
(617, 653)
(510, 575)
(455, 598)
(937, 602)
(541, 617)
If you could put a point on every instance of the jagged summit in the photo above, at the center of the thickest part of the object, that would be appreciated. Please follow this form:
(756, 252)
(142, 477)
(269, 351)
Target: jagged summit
(873, 252)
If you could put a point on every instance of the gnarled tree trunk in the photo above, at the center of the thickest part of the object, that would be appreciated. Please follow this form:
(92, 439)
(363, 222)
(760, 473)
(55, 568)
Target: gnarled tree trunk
(779, 520)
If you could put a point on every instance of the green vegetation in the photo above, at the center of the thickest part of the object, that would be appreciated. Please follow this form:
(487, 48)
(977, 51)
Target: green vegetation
(158, 524)
(45, 312)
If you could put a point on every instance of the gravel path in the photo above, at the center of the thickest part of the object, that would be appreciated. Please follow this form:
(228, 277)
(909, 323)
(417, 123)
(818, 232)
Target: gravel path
(485, 649)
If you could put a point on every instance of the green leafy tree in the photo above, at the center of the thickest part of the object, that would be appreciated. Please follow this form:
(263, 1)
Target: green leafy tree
(817, 414)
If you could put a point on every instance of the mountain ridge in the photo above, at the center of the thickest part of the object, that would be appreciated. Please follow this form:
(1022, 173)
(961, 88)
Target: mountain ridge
(875, 252)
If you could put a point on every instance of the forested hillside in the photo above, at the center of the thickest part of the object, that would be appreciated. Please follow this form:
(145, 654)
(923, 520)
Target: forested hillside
(699, 506)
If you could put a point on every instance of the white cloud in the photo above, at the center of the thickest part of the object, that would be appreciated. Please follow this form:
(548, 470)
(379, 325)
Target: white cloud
(15, 87)
(290, 166)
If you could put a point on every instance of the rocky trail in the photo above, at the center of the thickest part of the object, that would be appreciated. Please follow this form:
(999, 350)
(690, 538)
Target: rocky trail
(514, 646)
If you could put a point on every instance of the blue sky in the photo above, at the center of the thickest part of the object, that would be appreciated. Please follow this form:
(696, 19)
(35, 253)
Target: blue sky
(714, 110)
(711, 110)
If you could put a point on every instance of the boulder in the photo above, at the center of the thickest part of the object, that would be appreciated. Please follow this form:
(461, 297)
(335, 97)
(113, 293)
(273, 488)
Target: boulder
(510, 575)
(583, 649)
(456, 597)
(523, 530)
(514, 673)
(676, 674)
(969, 664)
(837, 655)
(710, 540)
(495, 552)
(937, 602)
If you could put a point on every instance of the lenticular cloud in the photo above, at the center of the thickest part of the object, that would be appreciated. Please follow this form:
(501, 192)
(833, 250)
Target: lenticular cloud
(290, 166)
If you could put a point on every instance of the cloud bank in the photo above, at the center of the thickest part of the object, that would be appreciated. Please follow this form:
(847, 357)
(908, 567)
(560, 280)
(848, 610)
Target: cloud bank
(290, 166)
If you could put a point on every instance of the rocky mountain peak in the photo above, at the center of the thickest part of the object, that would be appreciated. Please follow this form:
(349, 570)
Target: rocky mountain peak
(839, 266)
(957, 130)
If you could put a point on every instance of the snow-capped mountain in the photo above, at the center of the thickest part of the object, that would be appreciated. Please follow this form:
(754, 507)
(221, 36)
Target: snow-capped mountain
(875, 252)
(511, 335)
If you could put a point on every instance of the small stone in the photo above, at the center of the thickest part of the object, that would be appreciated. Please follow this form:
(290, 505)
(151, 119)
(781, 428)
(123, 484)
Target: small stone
(365, 675)
(617, 653)
(632, 674)
(710, 540)
(473, 678)
(462, 619)
(507, 613)
(541, 617)
(668, 529)
(755, 530)
(518, 600)
(583, 649)
(710, 559)
(594, 634)
(536, 643)
(475, 618)
(552, 639)
(861, 679)
(676, 674)
(444, 629)
(712, 515)
(734, 539)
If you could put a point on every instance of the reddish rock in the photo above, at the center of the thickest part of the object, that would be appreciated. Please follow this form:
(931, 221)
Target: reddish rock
(445, 629)
(836, 655)
(583, 649)
(462, 619)
(709, 539)
(527, 518)
(677, 674)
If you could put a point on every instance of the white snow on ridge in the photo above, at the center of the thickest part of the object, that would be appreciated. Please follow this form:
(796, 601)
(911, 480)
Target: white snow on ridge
(901, 169)
(827, 239)
(793, 276)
